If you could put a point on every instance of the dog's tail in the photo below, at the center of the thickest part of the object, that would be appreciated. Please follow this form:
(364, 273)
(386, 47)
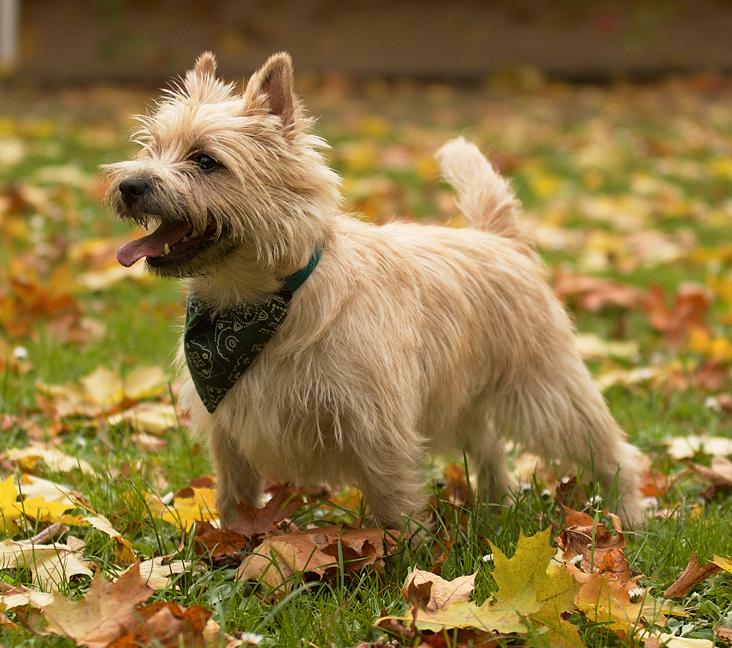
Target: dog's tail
(484, 196)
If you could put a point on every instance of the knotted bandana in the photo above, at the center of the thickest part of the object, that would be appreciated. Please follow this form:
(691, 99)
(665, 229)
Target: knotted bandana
(221, 345)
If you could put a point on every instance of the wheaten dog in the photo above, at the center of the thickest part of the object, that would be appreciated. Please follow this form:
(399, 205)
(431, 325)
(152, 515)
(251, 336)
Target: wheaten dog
(404, 339)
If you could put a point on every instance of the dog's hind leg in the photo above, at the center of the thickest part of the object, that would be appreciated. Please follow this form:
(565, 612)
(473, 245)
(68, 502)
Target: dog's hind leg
(236, 477)
(487, 452)
(559, 413)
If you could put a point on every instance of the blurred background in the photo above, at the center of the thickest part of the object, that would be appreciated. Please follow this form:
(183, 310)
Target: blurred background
(134, 40)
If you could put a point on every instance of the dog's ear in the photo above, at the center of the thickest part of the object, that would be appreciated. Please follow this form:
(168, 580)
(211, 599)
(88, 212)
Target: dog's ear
(274, 83)
(205, 65)
(200, 82)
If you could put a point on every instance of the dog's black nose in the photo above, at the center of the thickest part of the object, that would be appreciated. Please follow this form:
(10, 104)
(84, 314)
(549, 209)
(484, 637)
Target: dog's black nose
(133, 188)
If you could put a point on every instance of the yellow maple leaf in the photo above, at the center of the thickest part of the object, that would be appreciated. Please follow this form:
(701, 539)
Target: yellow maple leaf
(186, 510)
(9, 513)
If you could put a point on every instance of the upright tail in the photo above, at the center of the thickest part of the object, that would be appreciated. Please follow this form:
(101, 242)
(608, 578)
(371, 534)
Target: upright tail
(483, 195)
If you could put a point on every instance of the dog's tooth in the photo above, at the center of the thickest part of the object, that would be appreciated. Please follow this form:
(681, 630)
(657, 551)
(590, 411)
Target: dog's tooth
(166, 249)
(184, 239)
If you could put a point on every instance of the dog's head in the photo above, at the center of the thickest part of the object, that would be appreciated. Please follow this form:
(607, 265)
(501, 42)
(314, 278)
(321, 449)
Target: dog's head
(220, 170)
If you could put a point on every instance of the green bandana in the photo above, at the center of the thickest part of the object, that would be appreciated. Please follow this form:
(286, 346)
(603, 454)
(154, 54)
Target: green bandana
(220, 346)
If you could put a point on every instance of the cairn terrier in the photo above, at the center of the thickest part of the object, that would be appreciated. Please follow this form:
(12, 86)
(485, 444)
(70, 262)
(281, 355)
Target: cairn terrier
(322, 349)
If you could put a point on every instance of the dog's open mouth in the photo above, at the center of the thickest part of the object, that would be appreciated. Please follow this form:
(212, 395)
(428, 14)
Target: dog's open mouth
(169, 243)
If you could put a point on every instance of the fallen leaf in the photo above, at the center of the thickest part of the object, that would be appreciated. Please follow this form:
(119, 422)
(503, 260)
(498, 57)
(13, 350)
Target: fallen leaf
(167, 625)
(252, 521)
(723, 563)
(314, 552)
(151, 418)
(688, 312)
(666, 640)
(12, 596)
(56, 460)
(533, 590)
(719, 474)
(441, 592)
(593, 346)
(189, 506)
(688, 446)
(123, 553)
(693, 574)
(103, 616)
(593, 293)
(599, 549)
(50, 565)
(159, 572)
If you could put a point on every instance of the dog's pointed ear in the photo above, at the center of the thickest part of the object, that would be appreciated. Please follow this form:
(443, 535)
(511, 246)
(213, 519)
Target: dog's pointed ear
(205, 65)
(200, 82)
(274, 83)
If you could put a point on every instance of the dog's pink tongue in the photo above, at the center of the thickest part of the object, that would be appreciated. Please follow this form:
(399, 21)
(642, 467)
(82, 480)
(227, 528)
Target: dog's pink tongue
(153, 244)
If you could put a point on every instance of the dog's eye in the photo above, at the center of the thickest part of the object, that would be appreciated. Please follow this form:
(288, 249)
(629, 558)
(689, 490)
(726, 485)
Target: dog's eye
(204, 162)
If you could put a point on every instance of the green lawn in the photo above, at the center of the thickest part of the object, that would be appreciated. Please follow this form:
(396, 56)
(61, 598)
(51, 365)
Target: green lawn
(630, 183)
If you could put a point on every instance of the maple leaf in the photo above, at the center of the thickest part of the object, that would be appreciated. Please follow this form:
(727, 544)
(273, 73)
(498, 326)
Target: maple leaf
(315, 552)
(159, 571)
(252, 521)
(599, 549)
(719, 474)
(440, 592)
(689, 310)
(102, 617)
(168, 625)
(594, 293)
(55, 459)
(687, 446)
(190, 505)
(50, 565)
(533, 590)
(693, 574)
(123, 553)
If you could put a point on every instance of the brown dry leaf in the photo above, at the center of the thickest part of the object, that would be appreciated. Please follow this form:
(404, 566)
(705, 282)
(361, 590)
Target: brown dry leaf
(315, 552)
(666, 640)
(688, 312)
(50, 565)
(29, 299)
(252, 521)
(167, 625)
(604, 600)
(220, 543)
(724, 634)
(593, 293)
(102, 617)
(12, 596)
(693, 574)
(719, 474)
(150, 418)
(104, 392)
(605, 555)
(123, 553)
(441, 592)
(159, 572)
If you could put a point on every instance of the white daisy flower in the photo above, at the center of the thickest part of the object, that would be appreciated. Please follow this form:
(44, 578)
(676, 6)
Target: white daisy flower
(636, 593)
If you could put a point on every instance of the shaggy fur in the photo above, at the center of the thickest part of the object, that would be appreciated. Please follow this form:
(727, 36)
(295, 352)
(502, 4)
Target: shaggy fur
(406, 339)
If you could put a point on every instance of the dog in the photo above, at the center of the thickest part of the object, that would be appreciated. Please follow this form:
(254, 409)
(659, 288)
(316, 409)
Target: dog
(323, 349)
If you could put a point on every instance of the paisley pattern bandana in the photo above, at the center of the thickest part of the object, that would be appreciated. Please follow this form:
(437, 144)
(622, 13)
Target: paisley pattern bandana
(221, 345)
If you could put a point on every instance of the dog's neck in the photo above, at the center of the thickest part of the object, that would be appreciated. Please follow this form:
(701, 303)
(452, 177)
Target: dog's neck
(242, 276)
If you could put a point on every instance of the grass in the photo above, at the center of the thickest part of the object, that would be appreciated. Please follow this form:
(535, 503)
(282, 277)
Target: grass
(662, 145)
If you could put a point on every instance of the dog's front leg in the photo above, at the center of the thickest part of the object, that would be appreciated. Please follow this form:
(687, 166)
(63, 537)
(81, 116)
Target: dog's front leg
(236, 477)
